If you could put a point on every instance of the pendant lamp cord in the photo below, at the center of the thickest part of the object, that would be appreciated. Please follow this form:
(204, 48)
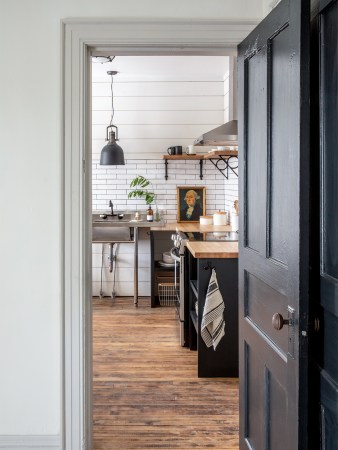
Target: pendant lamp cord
(112, 95)
(112, 99)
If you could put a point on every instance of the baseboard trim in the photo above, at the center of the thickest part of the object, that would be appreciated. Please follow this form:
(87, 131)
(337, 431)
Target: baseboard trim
(22, 442)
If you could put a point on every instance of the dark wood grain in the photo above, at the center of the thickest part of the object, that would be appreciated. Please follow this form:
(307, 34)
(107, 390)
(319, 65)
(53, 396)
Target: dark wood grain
(146, 393)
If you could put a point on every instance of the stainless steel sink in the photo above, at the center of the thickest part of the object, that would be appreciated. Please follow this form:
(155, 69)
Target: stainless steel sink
(110, 220)
(111, 229)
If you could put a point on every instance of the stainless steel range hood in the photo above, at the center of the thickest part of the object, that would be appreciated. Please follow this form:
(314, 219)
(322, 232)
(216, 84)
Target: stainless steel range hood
(226, 134)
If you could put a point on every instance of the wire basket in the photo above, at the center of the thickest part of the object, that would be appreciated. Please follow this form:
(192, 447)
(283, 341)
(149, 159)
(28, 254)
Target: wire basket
(167, 294)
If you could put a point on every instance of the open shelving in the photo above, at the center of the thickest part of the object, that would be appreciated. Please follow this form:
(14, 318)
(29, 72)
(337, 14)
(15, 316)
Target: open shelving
(221, 159)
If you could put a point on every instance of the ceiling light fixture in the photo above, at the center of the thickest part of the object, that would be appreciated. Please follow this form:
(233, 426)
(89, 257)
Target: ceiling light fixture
(102, 59)
(112, 153)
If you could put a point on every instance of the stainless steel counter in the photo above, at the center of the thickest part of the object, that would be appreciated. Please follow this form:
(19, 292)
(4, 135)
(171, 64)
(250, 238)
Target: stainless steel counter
(113, 229)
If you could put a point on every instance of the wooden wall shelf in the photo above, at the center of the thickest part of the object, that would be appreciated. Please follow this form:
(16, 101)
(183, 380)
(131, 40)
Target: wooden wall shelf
(217, 157)
(180, 157)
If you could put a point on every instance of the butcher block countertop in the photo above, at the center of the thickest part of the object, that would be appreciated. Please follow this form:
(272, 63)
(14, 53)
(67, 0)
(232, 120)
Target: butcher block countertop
(207, 249)
(191, 227)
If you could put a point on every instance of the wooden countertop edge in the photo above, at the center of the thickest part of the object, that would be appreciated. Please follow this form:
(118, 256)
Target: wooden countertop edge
(190, 227)
(207, 249)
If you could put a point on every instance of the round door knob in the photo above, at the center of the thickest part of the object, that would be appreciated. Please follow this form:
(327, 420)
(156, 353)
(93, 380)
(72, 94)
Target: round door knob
(278, 321)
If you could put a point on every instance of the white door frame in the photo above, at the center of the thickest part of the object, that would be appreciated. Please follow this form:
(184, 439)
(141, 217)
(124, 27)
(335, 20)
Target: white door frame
(79, 38)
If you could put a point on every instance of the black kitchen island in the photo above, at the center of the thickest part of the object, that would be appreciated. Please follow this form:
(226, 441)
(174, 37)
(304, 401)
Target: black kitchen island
(223, 257)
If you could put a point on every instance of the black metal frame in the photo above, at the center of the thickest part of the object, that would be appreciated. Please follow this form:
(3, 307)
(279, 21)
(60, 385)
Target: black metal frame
(166, 169)
(225, 170)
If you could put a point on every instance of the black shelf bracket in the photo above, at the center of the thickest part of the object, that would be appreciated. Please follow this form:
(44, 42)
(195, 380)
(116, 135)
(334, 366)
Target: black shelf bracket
(201, 169)
(227, 165)
(166, 176)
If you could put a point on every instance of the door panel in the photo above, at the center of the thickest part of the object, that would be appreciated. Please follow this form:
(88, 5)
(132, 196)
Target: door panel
(260, 303)
(329, 74)
(273, 83)
(327, 358)
(255, 94)
(280, 69)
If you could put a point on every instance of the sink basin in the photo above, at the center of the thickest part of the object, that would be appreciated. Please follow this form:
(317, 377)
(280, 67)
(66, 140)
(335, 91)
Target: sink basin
(110, 220)
(112, 228)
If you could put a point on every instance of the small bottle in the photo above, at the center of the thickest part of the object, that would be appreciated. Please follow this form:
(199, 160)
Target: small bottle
(150, 215)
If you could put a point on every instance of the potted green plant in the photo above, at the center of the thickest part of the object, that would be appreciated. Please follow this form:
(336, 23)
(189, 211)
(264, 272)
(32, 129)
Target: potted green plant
(140, 186)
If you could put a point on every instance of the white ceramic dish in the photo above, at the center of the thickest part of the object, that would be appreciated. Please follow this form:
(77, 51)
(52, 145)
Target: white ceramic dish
(164, 264)
(167, 258)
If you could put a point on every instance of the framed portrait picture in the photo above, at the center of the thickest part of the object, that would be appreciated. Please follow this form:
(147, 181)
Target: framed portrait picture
(190, 203)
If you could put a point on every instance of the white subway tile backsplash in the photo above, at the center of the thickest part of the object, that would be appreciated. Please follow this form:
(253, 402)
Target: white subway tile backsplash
(99, 182)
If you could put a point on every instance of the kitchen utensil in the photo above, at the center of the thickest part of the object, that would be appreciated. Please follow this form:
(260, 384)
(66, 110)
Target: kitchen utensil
(234, 222)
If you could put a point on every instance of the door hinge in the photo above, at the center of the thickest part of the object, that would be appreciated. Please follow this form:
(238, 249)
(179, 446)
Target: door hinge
(84, 165)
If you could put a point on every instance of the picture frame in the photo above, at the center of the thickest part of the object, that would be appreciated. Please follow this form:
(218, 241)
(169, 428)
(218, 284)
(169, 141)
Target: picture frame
(190, 203)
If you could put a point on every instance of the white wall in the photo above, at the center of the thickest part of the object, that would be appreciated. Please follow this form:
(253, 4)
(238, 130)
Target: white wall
(268, 5)
(31, 192)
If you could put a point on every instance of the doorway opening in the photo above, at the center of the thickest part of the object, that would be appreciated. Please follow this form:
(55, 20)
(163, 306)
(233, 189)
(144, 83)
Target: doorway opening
(80, 39)
(160, 101)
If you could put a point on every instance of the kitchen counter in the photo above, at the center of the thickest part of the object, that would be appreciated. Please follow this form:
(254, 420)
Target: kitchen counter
(209, 249)
(191, 227)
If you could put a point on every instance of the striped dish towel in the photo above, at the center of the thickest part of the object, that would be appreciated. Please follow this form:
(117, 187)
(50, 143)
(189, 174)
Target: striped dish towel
(212, 327)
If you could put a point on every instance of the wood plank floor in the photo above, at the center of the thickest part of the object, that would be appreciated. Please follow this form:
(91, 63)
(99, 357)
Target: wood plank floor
(146, 394)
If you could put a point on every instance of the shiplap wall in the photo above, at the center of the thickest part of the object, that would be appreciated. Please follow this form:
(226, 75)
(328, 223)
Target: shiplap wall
(151, 116)
(154, 115)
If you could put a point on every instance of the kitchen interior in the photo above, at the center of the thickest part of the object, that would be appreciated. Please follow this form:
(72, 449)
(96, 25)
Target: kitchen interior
(165, 202)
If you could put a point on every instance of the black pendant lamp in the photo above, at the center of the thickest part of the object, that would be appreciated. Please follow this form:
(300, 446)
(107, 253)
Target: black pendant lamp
(112, 153)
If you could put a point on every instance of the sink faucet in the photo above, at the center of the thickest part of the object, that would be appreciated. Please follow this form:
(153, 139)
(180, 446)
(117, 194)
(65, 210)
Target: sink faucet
(112, 208)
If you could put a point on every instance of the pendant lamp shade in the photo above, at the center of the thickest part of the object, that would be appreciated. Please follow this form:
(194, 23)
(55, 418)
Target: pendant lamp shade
(112, 153)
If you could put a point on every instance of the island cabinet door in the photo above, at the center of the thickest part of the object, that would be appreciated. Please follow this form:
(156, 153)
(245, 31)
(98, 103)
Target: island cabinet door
(274, 219)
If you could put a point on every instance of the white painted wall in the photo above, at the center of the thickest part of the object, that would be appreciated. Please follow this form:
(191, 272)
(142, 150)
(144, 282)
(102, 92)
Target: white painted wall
(31, 191)
(268, 5)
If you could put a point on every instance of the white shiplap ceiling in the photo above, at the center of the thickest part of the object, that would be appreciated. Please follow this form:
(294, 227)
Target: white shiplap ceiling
(171, 68)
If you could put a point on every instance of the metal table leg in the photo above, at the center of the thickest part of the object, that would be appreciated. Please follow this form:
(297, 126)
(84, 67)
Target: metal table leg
(136, 266)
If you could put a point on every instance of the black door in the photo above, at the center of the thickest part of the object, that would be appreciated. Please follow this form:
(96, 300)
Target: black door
(273, 84)
(327, 357)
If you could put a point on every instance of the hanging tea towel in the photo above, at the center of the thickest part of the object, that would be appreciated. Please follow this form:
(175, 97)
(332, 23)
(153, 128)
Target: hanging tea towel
(212, 327)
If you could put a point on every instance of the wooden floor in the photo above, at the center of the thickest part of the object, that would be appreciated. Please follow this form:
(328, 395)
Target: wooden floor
(146, 393)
